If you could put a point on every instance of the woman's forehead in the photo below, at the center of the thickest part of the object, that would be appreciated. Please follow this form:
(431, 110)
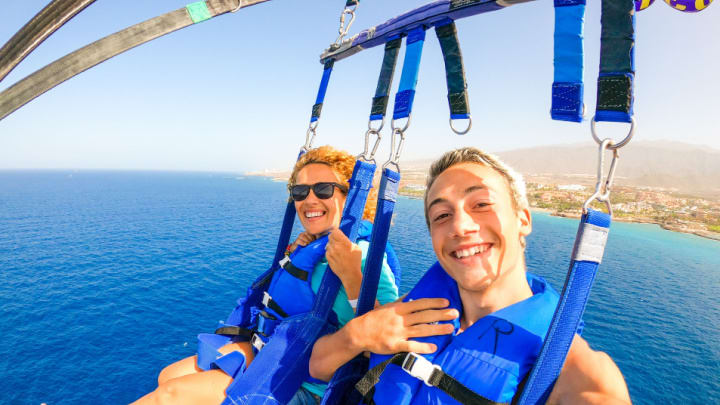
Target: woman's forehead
(317, 172)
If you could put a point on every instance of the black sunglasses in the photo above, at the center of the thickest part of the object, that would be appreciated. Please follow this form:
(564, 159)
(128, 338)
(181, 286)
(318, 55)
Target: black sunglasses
(322, 190)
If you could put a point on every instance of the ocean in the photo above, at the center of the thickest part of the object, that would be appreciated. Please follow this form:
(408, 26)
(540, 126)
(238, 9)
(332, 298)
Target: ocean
(106, 277)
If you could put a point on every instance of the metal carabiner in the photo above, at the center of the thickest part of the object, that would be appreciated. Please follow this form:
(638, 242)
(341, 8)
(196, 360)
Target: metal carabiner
(618, 145)
(469, 118)
(343, 30)
(310, 135)
(604, 184)
(395, 149)
(370, 158)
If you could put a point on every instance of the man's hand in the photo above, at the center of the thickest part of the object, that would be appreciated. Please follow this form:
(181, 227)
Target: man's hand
(384, 330)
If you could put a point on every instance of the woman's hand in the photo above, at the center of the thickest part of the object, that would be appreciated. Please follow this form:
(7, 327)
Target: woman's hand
(345, 260)
(384, 330)
(387, 329)
(302, 240)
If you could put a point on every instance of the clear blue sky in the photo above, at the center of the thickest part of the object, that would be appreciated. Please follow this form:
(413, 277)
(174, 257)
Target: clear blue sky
(235, 92)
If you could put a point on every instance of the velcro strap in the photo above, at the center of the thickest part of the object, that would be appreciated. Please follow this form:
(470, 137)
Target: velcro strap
(295, 272)
(614, 93)
(234, 331)
(454, 69)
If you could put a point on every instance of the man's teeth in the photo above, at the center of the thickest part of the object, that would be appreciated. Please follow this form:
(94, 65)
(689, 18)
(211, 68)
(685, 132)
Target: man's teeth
(470, 251)
(313, 214)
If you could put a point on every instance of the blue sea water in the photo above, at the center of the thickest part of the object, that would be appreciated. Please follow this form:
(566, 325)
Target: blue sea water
(105, 277)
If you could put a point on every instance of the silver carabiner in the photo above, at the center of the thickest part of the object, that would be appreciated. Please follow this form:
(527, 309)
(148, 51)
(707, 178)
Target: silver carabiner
(618, 145)
(370, 158)
(604, 184)
(395, 149)
(343, 30)
(310, 135)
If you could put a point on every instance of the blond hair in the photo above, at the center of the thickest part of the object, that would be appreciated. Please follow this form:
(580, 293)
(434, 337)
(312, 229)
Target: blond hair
(342, 164)
(514, 180)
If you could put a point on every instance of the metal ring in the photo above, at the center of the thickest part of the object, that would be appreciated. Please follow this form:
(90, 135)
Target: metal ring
(407, 124)
(240, 5)
(378, 129)
(469, 118)
(618, 145)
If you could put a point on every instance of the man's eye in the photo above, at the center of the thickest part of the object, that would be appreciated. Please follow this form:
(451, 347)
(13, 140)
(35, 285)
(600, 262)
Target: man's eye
(482, 205)
(441, 216)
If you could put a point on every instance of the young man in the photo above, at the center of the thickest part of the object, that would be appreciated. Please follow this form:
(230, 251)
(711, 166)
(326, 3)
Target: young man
(477, 315)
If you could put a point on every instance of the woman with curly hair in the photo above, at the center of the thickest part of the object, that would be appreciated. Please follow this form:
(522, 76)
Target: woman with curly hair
(318, 186)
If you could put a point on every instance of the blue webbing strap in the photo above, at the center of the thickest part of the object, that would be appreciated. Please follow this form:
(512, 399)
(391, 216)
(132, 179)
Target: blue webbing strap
(567, 88)
(411, 66)
(454, 70)
(341, 387)
(317, 107)
(387, 71)
(281, 366)
(617, 62)
(587, 254)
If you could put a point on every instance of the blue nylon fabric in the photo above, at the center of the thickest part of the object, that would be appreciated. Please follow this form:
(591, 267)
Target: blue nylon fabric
(565, 322)
(563, 3)
(411, 67)
(341, 388)
(491, 357)
(459, 116)
(282, 365)
(322, 90)
(567, 89)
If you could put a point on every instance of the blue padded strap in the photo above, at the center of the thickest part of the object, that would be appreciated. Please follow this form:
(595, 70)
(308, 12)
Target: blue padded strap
(317, 107)
(231, 363)
(208, 345)
(411, 66)
(387, 71)
(567, 88)
(587, 254)
(345, 378)
(617, 62)
(360, 185)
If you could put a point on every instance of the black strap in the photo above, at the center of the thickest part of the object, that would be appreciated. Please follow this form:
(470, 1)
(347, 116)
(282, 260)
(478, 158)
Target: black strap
(454, 70)
(380, 101)
(32, 34)
(234, 331)
(296, 271)
(438, 379)
(272, 304)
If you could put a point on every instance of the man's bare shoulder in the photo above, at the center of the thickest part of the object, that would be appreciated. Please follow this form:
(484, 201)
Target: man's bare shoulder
(589, 377)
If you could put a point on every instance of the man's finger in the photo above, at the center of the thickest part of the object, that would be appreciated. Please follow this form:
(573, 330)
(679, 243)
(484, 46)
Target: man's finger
(430, 316)
(426, 329)
(418, 347)
(423, 304)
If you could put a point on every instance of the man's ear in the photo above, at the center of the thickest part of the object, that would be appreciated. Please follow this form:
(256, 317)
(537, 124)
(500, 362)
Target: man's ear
(525, 222)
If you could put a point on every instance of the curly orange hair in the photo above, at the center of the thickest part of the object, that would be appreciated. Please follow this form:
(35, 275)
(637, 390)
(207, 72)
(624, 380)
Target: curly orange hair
(342, 163)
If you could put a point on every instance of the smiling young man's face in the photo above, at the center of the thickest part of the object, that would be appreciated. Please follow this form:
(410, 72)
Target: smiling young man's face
(476, 231)
(316, 215)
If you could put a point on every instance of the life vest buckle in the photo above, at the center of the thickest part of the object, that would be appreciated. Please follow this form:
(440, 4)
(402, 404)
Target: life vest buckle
(266, 299)
(283, 261)
(420, 368)
(257, 342)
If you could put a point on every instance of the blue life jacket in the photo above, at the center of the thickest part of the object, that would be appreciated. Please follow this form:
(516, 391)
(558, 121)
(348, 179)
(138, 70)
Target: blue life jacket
(490, 358)
(289, 293)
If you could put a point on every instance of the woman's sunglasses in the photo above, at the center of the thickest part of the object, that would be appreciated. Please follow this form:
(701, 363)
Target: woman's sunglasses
(322, 191)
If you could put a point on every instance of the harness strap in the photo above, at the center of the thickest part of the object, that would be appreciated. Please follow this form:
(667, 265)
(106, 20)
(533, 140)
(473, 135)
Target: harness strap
(269, 302)
(617, 62)
(408, 80)
(387, 71)
(234, 331)
(340, 389)
(586, 257)
(454, 70)
(101, 50)
(293, 270)
(567, 87)
(431, 374)
(317, 107)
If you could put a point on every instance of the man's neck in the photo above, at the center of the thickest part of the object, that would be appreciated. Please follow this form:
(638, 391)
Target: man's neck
(508, 289)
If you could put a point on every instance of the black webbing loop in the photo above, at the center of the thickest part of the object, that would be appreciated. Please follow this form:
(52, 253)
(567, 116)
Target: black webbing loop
(234, 331)
(269, 302)
(454, 70)
(387, 71)
(350, 3)
(438, 379)
(295, 271)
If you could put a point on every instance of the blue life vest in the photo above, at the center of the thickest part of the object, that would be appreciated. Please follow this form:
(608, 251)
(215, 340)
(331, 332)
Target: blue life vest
(289, 293)
(491, 357)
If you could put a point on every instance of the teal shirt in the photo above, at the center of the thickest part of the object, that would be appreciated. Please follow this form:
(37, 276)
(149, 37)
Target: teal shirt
(387, 292)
